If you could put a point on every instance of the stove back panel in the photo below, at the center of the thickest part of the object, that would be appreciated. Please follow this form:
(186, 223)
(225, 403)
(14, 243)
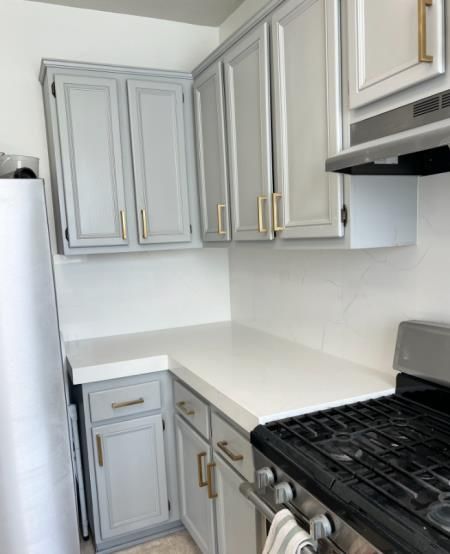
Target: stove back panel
(423, 350)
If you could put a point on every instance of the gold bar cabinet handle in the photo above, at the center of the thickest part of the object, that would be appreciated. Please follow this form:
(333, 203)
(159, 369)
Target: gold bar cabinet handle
(423, 56)
(261, 227)
(201, 481)
(209, 477)
(223, 445)
(98, 438)
(144, 223)
(275, 197)
(116, 405)
(220, 229)
(123, 223)
(182, 406)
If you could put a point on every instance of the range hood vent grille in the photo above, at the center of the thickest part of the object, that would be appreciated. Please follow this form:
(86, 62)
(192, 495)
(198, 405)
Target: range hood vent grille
(426, 106)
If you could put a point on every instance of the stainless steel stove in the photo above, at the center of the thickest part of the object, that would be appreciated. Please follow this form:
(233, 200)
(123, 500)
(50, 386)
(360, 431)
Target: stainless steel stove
(370, 477)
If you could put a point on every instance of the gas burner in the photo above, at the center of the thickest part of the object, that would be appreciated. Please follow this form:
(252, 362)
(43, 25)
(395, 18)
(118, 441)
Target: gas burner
(343, 449)
(439, 514)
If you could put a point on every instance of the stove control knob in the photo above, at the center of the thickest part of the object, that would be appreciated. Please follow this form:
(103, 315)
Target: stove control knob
(320, 527)
(264, 478)
(282, 493)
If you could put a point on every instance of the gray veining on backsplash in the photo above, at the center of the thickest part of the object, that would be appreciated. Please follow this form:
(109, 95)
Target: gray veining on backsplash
(349, 303)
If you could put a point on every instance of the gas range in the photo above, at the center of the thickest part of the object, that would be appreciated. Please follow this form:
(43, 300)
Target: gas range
(374, 476)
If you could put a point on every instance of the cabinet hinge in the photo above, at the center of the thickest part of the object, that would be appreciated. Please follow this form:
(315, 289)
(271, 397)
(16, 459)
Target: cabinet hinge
(182, 96)
(66, 233)
(169, 505)
(54, 89)
(190, 229)
(164, 425)
(344, 215)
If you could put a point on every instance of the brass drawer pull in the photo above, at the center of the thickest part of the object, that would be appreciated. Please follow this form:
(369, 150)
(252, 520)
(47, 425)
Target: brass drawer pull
(186, 411)
(275, 197)
(201, 481)
(423, 56)
(144, 223)
(123, 223)
(209, 476)
(220, 229)
(98, 439)
(261, 227)
(116, 405)
(223, 445)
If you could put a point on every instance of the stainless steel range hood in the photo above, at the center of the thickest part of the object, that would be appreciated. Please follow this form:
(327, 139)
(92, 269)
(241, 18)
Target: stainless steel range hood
(410, 140)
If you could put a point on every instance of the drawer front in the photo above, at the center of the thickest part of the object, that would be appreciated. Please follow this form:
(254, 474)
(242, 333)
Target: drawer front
(233, 447)
(192, 408)
(124, 401)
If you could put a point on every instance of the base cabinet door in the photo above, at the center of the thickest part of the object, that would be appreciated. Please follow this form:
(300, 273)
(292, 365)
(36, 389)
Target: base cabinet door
(131, 475)
(249, 135)
(392, 46)
(92, 164)
(236, 517)
(306, 83)
(209, 106)
(159, 161)
(197, 509)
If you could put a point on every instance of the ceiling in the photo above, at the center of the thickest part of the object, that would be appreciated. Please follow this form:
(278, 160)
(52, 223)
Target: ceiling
(200, 12)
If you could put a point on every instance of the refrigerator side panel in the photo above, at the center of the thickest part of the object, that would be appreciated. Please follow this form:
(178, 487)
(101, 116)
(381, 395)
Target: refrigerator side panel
(37, 501)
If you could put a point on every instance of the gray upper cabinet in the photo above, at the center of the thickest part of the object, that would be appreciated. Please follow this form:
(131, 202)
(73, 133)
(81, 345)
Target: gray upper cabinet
(392, 46)
(249, 135)
(212, 154)
(91, 154)
(122, 158)
(159, 160)
(307, 123)
(131, 475)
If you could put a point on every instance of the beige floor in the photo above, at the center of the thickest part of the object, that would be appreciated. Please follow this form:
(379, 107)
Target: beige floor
(177, 543)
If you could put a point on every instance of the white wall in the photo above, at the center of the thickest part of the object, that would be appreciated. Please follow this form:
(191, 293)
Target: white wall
(350, 303)
(103, 295)
(245, 11)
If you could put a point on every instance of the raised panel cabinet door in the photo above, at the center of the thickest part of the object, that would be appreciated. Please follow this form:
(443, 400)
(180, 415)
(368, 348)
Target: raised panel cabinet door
(91, 155)
(392, 46)
(249, 135)
(236, 517)
(307, 122)
(212, 154)
(197, 510)
(131, 475)
(159, 161)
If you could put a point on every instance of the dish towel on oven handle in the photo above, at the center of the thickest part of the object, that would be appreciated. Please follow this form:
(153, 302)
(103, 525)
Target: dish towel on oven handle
(286, 536)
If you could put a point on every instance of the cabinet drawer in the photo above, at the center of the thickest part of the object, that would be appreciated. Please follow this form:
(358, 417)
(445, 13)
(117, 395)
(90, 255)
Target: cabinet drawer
(192, 408)
(232, 446)
(124, 401)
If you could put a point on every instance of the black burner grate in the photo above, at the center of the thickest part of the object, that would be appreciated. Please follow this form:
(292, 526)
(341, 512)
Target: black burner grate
(394, 453)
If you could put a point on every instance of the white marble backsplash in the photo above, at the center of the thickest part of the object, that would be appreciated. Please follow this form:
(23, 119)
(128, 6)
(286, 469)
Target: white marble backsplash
(349, 303)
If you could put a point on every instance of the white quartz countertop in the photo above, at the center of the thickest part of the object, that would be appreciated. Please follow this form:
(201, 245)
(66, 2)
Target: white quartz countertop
(251, 376)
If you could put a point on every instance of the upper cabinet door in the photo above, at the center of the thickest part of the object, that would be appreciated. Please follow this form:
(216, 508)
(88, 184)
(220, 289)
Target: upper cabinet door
(131, 475)
(392, 46)
(212, 154)
(89, 129)
(307, 118)
(159, 159)
(249, 135)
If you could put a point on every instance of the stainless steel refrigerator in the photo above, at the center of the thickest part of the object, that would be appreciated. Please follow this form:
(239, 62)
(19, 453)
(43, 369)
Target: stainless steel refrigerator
(37, 499)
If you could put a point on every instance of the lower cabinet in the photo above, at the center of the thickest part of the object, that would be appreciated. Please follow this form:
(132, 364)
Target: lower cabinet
(197, 509)
(131, 475)
(219, 518)
(236, 517)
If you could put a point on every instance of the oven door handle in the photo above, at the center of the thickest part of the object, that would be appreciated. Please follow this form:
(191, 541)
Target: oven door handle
(247, 490)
